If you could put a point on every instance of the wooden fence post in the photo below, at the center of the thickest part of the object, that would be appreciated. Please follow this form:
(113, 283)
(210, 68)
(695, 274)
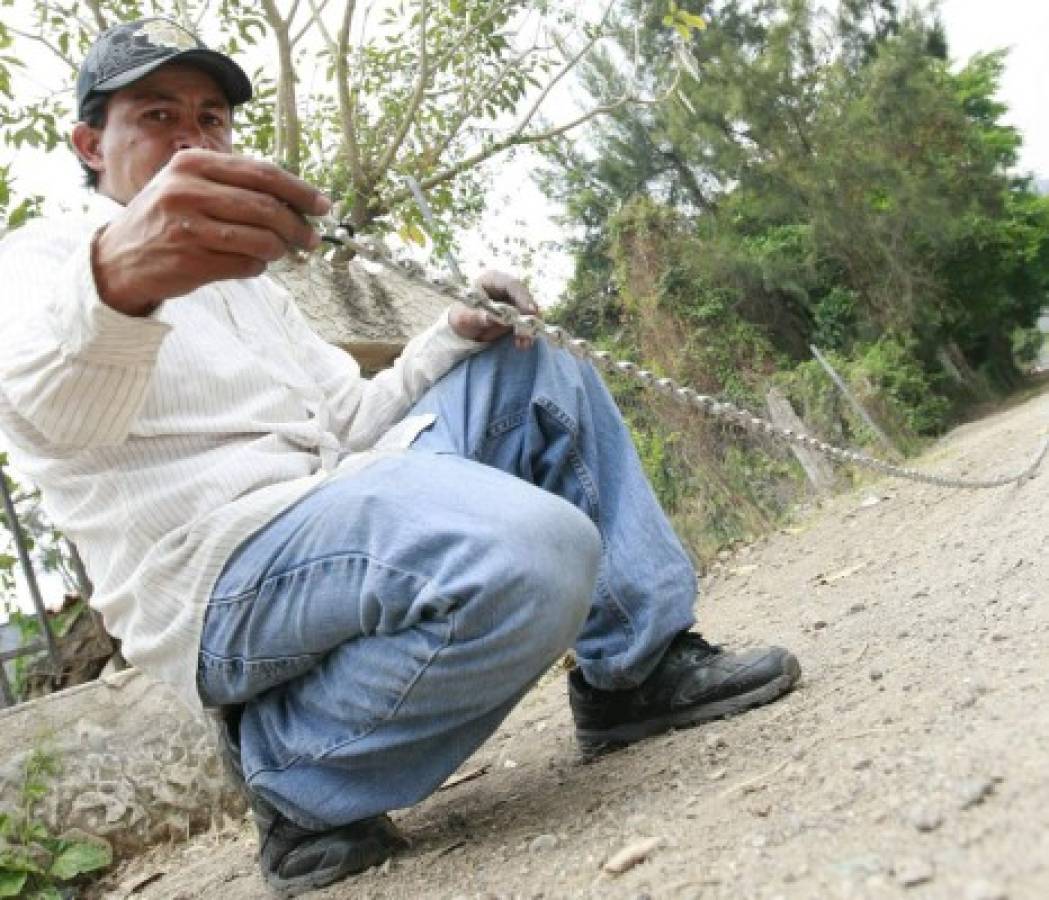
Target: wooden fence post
(817, 468)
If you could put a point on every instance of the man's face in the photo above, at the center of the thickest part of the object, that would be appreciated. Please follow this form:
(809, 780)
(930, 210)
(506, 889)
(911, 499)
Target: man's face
(173, 108)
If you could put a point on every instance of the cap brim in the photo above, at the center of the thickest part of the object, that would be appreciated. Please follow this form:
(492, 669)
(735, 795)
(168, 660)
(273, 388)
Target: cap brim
(230, 77)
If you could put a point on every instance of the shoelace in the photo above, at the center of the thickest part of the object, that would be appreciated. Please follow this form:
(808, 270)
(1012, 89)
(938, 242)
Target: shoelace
(693, 646)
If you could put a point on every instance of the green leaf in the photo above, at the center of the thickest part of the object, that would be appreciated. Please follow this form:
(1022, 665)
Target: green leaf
(16, 858)
(11, 883)
(683, 30)
(80, 857)
(412, 233)
(693, 21)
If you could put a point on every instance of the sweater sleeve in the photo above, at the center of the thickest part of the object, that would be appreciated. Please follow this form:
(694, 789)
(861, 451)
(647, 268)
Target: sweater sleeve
(364, 409)
(71, 367)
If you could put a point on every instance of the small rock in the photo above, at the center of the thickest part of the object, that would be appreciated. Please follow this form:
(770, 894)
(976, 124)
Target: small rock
(864, 762)
(543, 843)
(973, 791)
(925, 820)
(819, 624)
(717, 774)
(912, 872)
(631, 855)
(984, 890)
(715, 741)
(509, 764)
(876, 674)
(857, 607)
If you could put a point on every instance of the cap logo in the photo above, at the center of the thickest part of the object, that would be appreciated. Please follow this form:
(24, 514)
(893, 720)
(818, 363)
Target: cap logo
(167, 34)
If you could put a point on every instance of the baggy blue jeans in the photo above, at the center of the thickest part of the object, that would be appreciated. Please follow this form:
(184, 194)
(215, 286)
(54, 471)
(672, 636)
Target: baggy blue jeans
(379, 630)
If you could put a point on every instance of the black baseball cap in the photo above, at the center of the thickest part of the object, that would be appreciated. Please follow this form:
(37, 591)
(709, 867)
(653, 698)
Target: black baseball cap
(130, 51)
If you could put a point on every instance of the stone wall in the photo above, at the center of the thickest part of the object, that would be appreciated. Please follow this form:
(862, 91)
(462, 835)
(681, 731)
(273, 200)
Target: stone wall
(366, 309)
(138, 768)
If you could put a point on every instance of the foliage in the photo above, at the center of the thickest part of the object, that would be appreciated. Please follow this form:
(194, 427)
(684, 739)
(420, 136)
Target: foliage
(903, 398)
(47, 547)
(835, 190)
(33, 125)
(34, 863)
(358, 98)
(839, 185)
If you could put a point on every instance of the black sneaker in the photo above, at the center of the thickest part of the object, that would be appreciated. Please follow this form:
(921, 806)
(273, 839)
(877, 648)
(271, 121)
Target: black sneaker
(294, 859)
(694, 682)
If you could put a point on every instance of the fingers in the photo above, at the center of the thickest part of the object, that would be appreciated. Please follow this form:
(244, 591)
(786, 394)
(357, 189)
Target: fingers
(505, 288)
(239, 208)
(230, 239)
(253, 175)
(237, 191)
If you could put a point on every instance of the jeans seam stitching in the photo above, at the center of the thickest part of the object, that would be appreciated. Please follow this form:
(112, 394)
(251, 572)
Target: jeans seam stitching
(338, 557)
(379, 720)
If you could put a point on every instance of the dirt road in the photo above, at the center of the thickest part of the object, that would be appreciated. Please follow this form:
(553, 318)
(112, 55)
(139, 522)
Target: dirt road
(912, 761)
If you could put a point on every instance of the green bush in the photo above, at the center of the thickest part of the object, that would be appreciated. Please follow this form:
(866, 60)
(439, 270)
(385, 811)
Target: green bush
(889, 369)
(34, 863)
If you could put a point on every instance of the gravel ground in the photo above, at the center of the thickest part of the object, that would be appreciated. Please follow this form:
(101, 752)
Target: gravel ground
(912, 760)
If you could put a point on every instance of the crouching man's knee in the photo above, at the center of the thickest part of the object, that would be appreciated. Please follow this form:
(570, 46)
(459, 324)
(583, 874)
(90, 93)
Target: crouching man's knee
(556, 554)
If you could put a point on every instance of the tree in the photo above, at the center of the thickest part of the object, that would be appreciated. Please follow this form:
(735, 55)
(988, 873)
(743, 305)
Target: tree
(365, 95)
(842, 186)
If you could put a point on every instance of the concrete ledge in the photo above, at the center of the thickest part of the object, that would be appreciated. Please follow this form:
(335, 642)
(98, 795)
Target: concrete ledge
(138, 768)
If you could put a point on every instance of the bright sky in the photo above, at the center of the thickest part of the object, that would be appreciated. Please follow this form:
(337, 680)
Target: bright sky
(975, 26)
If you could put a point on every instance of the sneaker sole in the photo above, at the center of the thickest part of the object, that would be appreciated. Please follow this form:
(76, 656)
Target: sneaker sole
(593, 743)
(372, 852)
(292, 887)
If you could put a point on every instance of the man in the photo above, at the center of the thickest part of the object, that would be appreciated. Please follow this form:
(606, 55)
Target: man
(365, 575)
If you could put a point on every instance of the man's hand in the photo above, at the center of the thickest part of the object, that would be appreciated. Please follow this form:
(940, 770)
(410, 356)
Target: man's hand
(204, 217)
(476, 325)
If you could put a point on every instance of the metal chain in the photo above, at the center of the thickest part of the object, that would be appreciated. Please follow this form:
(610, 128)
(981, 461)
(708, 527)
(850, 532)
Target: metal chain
(533, 326)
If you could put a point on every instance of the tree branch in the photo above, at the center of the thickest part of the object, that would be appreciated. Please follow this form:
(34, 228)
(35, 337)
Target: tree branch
(99, 24)
(315, 17)
(514, 139)
(568, 66)
(200, 16)
(468, 111)
(39, 38)
(100, 20)
(441, 61)
(348, 98)
(421, 80)
(289, 131)
(182, 14)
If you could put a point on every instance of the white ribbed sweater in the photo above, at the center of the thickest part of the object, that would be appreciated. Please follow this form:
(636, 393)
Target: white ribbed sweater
(161, 443)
